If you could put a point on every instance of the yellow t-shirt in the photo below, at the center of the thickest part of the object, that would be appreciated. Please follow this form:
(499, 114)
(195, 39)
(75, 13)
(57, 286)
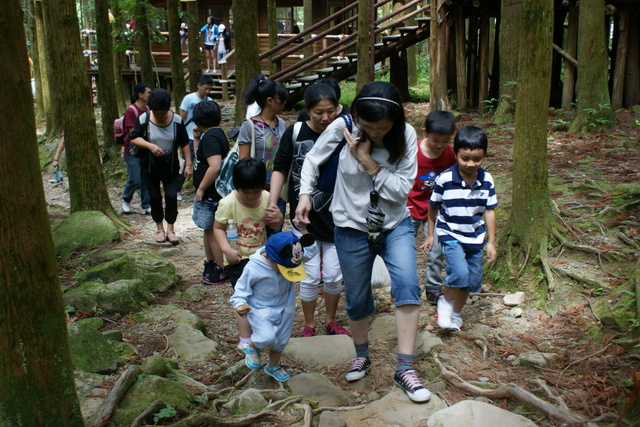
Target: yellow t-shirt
(252, 230)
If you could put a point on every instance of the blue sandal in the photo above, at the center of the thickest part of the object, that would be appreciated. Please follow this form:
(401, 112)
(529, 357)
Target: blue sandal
(252, 360)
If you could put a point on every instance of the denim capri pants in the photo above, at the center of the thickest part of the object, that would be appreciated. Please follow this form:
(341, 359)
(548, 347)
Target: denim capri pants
(356, 262)
(463, 266)
(204, 213)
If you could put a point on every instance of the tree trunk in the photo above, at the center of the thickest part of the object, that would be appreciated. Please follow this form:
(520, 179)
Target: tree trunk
(510, 17)
(473, 61)
(177, 70)
(632, 78)
(143, 42)
(37, 385)
(272, 29)
(193, 39)
(411, 51)
(364, 65)
(35, 57)
(438, 57)
(594, 106)
(308, 22)
(245, 13)
(621, 57)
(87, 189)
(122, 93)
(483, 63)
(461, 57)
(106, 81)
(53, 115)
(571, 44)
(531, 214)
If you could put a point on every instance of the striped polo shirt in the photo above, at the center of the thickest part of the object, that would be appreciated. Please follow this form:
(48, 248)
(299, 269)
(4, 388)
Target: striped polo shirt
(461, 207)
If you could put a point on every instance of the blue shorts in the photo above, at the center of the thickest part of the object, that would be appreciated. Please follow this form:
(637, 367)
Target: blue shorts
(204, 213)
(356, 262)
(463, 266)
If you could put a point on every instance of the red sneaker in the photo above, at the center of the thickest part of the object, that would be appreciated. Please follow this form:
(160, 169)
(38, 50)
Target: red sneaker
(308, 331)
(335, 328)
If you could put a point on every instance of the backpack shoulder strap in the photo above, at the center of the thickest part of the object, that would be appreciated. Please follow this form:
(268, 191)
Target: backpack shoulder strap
(296, 131)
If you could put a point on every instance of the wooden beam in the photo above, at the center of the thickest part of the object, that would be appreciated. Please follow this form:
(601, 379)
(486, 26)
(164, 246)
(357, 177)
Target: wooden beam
(565, 55)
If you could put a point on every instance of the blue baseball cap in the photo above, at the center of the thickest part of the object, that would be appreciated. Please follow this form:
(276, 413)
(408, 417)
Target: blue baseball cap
(286, 250)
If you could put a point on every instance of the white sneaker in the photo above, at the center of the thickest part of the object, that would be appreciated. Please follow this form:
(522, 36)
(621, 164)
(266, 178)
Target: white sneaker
(126, 207)
(456, 322)
(444, 313)
(179, 197)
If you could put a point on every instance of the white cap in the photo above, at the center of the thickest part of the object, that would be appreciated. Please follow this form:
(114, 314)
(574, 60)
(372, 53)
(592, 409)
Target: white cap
(221, 28)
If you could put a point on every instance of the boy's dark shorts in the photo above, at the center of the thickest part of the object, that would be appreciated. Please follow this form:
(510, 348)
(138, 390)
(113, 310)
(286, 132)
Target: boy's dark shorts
(235, 271)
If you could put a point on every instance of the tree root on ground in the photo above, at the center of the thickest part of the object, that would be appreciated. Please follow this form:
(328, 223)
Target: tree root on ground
(155, 406)
(479, 340)
(308, 415)
(585, 280)
(119, 390)
(509, 391)
(337, 408)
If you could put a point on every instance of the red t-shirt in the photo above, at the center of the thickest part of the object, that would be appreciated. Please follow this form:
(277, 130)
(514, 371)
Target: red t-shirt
(130, 117)
(428, 171)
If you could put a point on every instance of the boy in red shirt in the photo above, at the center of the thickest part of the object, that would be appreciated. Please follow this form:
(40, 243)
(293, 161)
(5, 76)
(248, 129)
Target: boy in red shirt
(435, 155)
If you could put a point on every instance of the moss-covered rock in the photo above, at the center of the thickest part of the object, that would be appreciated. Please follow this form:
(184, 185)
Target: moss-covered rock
(158, 365)
(90, 350)
(168, 314)
(145, 391)
(122, 296)
(249, 402)
(156, 273)
(191, 344)
(86, 229)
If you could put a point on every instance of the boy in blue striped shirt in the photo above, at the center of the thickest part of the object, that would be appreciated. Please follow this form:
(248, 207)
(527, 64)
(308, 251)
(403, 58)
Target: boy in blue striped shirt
(462, 195)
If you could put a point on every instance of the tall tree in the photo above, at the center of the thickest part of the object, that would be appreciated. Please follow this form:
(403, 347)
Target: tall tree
(143, 41)
(439, 99)
(365, 67)
(36, 376)
(245, 13)
(509, 42)
(106, 77)
(193, 37)
(51, 98)
(87, 189)
(272, 30)
(594, 105)
(531, 218)
(175, 50)
(120, 43)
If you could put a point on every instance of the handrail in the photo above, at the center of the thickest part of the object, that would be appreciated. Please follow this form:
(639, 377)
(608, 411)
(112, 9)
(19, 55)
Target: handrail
(343, 44)
(309, 30)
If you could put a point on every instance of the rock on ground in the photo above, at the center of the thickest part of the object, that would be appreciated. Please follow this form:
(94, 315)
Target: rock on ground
(471, 413)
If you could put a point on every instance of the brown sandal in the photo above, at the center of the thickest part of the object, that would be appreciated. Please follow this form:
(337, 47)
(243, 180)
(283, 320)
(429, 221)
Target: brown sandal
(174, 240)
(161, 233)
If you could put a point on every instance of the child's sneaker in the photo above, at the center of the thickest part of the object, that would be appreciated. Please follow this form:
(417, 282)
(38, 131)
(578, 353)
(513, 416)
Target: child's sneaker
(213, 275)
(444, 313)
(456, 322)
(308, 331)
(252, 359)
(411, 384)
(359, 367)
(433, 295)
(242, 344)
(276, 372)
(335, 328)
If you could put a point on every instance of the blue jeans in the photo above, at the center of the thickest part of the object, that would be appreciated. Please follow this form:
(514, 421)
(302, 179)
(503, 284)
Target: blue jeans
(135, 182)
(356, 262)
(464, 266)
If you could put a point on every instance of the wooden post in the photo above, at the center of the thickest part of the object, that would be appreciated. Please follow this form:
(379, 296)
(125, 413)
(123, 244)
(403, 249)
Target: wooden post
(308, 22)
(461, 64)
(632, 77)
(193, 37)
(364, 60)
(224, 81)
(473, 61)
(272, 29)
(571, 47)
(483, 67)
(399, 73)
(438, 71)
(621, 57)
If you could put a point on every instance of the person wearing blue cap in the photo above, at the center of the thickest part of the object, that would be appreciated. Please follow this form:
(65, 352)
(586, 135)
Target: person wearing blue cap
(265, 294)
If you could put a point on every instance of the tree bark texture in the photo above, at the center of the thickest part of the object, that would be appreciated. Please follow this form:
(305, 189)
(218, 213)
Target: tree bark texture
(175, 50)
(483, 64)
(36, 375)
(439, 99)
(531, 210)
(632, 79)
(106, 77)
(509, 43)
(245, 13)
(35, 57)
(461, 57)
(87, 189)
(53, 115)
(143, 42)
(594, 105)
(364, 74)
(622, 23)
(570, 46)
(272, 28)
(122, 94)
(193, 40)
(411, 51)
(308, 22)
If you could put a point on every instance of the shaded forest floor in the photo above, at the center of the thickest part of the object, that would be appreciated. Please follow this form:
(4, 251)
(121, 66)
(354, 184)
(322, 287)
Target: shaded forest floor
(594, 190)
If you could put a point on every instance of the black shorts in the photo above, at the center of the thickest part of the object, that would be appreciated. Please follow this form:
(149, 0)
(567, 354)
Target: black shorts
(208, 47)
(235, 271)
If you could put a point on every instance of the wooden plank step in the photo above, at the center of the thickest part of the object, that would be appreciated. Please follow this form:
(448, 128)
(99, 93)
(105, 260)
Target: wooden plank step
(293, 86)
(306, 79)
(408, 29)
(339, 63)
(423, 21)
(392, 38)
(378, 45)
(324, 71)
(352, 55)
